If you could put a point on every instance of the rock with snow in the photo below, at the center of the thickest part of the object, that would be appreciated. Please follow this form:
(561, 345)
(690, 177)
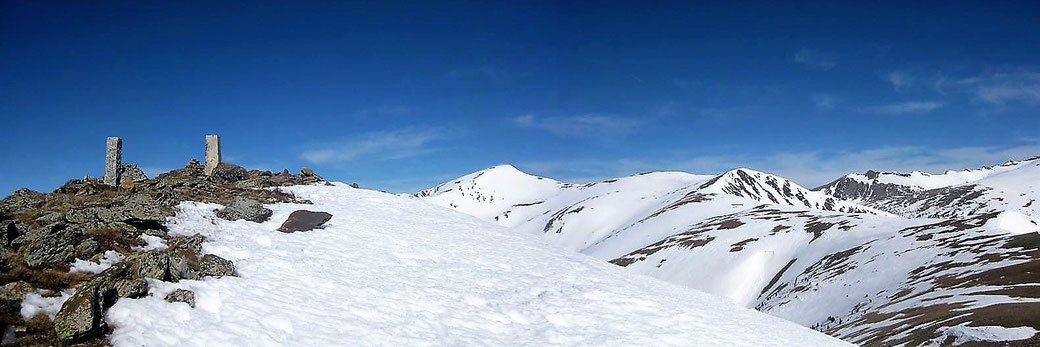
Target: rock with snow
(245, 208)
(182, 295)
(303, 220)
(212, 265)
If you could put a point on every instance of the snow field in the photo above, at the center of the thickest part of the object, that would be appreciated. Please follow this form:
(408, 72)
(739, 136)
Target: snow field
(390, 270)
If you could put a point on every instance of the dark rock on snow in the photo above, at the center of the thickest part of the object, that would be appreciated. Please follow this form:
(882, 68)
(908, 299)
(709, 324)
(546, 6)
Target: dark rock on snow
(303, 220)
(182, 295)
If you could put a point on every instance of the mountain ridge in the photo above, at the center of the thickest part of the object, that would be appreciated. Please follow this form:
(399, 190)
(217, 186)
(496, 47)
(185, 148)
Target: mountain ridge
(858, 272)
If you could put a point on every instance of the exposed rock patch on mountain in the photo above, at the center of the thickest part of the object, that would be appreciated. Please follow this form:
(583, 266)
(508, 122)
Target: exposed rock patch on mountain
(954, 194)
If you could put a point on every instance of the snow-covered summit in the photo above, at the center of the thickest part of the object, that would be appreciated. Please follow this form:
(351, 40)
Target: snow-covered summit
(487, 192)
(396, 271)
(771, 189)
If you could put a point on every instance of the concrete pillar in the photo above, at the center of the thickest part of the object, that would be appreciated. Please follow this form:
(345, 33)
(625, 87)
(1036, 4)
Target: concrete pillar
(113, 157)
(212, 153)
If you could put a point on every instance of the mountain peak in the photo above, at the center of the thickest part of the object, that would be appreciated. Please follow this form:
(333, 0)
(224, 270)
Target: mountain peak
(769, 188)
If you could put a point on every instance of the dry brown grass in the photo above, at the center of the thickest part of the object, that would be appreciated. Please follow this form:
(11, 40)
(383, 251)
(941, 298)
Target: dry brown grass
(117, 240)
(52, 279)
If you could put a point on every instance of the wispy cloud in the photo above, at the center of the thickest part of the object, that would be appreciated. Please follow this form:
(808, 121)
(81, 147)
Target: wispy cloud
(815, 59)
(385, 145)
(1003, 89)
(903, 107)
(899, 79)
(825, 101)
(579, 126)
(384, 110)
(808, 168)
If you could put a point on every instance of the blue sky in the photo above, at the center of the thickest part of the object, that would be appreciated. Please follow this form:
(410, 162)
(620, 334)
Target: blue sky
(403, 95)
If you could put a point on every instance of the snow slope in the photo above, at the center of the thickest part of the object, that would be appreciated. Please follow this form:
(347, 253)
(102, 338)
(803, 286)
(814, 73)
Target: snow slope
(598, 218)
(392, 270)
(764, 242)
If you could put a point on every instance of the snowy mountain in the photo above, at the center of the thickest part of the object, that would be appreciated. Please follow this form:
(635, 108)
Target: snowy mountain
(850, 270)
(1011, 186)
(391, 270)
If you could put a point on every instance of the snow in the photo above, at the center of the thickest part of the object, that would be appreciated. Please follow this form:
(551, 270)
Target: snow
(963, 333)
(390, 270)
(153, 242)
(1013, 222)
(827, 268)
(106, 260)
(35, 303)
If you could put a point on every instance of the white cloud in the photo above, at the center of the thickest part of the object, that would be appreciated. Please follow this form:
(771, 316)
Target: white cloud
(903, 107)
(385, 145)
(815, 59)
(579, 126)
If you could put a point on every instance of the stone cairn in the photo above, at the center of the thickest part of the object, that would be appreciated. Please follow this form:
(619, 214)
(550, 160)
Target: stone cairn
(113, 159)
(212, 153)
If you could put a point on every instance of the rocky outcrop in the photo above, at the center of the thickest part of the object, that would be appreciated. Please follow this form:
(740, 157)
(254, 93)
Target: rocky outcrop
(54, 249)
(82, 316)
(245, 208)
(42, 233)
(303, 220)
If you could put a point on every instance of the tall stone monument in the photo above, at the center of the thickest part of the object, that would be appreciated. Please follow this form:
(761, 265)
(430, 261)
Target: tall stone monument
(212, 153)
(113, 157)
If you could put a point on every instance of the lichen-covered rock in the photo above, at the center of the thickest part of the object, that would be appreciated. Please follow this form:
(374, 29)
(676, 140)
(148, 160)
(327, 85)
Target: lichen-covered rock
(229, 173)
(182, 295)
(303, 220)
(245, 208)
(15, 291)
(10, 230)
(129, 287)
(53, 249)
(131, 173)
(212, 265)
(87, 249)
(81, 315)
(22, 199)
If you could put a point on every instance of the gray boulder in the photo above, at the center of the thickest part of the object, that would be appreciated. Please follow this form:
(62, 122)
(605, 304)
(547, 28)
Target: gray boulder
(212, 265)
(229, 173)
(182, 295)
(303, 220)
(53, 249)
(87, 249)
(244, 208)
(131, 173)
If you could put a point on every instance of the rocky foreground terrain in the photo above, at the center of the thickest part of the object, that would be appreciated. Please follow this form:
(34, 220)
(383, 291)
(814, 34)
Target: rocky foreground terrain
(88, 244)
